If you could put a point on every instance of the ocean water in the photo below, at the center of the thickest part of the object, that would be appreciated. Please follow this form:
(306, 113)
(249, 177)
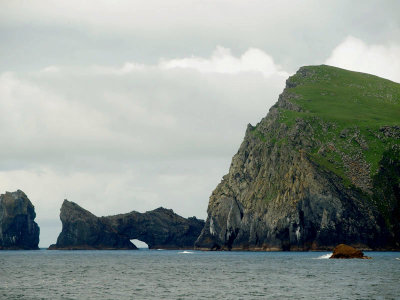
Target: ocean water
(152, 274)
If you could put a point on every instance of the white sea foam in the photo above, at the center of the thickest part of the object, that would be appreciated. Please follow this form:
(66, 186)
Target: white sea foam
(186, 252)
(325, 256)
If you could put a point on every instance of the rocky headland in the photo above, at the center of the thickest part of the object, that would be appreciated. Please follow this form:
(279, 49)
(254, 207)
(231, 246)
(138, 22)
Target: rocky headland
(322, 168)
(159, 229)
(18, 229)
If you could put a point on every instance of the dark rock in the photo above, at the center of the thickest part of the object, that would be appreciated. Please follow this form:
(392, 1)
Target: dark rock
(159, 228)
(345, 251)
(18, 230)
(82, 230)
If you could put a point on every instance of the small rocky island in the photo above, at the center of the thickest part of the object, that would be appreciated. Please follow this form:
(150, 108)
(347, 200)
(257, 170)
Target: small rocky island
(343, 251)
(160, 229)
(18, 230)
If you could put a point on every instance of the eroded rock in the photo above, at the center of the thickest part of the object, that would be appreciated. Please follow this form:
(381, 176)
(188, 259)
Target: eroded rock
(18, 229)
(82, 230)
(159, 228)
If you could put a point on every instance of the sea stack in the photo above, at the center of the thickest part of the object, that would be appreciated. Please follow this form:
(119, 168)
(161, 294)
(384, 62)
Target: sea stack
(18, 229)
(82, 230)
(160, 229)
(322, 168)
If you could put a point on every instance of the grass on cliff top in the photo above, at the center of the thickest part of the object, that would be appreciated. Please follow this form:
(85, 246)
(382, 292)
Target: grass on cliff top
(345, 97)
(349, 100)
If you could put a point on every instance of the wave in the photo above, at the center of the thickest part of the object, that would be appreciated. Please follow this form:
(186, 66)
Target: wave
(185, 252)
(325, 256)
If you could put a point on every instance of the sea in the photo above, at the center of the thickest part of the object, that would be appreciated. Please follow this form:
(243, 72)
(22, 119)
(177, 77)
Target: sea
(170, 274)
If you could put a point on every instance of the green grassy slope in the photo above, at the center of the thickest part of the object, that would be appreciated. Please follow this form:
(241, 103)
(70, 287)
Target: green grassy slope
(353, 106)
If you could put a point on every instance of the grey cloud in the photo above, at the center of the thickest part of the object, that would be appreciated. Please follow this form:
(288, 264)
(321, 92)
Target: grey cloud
(294, 34)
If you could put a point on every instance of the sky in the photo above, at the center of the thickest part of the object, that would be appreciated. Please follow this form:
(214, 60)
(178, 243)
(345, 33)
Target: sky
(133, 105)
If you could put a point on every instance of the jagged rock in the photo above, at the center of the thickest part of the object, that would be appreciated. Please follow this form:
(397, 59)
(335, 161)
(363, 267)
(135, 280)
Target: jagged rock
(159, 228)
(82, 230)
(345, 251)
(288, 190)
(18, 230)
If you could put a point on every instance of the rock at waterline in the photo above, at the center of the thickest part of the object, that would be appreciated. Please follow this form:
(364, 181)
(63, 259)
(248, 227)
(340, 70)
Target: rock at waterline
(82, 230)
(18, 230)
(345, 251)
(160, 229)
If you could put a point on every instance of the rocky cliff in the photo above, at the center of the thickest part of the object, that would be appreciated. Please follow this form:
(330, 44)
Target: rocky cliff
(82, 230)
(160, 228)
(18, 230)
(322, 168)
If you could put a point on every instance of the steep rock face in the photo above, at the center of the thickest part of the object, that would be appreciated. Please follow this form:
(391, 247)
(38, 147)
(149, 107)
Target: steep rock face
(83, 230)
(160, 228)
(18, 230)
(303, 177)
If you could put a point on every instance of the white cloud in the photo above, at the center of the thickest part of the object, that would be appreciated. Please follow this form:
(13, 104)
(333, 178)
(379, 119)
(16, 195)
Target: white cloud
(50, 69)
(355, 54)
(222, 61)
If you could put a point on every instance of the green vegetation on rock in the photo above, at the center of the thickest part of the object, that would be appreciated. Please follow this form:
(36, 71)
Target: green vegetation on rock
(322, 168)
(357, 114)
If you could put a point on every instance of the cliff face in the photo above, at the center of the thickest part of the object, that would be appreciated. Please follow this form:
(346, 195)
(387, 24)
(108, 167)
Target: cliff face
(81, 230)
(18, 229)
(160, 228)
(312, 173)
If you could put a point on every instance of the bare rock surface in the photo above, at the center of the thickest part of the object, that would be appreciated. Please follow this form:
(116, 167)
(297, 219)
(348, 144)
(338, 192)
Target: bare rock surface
(345, 251)
(159, 228)
(82, 230)
(18, 229)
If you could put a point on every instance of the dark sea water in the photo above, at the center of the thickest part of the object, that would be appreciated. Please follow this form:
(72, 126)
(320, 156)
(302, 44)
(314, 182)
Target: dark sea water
(165, 274)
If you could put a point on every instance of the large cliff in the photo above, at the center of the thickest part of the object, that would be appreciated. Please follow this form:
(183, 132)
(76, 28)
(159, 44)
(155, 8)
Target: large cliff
(18, 230)
(322, 168)
(159, 228)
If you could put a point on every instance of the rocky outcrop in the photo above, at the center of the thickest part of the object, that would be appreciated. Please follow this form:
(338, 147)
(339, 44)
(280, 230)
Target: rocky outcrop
(160, 228)
(18, 230)
(345, 251)
(82, 230)
(303, 181)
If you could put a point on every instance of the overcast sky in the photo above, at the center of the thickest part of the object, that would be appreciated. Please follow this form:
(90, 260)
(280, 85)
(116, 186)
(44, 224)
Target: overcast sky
(132, 105)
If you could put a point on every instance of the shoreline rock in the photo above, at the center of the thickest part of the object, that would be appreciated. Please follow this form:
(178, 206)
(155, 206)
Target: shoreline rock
(159, 229)
(82, 230)
(343, 251)
(18, 229)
